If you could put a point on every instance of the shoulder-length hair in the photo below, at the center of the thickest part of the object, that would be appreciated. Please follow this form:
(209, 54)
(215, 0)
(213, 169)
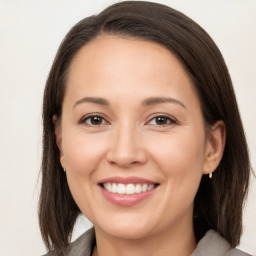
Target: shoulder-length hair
(219, 202)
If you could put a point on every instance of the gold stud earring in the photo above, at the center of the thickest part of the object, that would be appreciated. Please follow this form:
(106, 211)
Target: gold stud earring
(210, 175)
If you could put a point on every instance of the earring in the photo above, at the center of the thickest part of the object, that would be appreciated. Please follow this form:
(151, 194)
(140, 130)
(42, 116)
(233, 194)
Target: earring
(210, 175)
(64, 170)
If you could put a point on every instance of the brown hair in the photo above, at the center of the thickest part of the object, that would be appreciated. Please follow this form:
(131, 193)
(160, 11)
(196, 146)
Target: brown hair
(218, 202)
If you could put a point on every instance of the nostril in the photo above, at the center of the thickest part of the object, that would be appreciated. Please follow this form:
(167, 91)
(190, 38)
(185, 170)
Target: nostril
(123, 161)
(126, 151)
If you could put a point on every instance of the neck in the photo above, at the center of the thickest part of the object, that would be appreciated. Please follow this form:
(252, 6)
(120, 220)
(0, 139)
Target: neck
(169, 242)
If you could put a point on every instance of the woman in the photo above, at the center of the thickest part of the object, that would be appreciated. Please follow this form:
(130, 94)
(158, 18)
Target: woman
(143, 136)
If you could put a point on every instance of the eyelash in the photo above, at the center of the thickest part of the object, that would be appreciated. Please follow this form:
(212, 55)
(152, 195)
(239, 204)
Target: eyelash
(84, 119)
(89, 117)
(169, 119)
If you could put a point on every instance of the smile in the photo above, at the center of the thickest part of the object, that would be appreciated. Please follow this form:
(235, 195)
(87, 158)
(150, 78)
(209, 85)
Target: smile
(127, 189)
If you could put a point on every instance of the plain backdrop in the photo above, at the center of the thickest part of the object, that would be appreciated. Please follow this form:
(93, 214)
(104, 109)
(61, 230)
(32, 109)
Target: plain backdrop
(30, 33)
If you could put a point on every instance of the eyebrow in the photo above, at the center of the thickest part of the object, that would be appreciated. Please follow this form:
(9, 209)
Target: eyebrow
(159, 100)
(99, 101)
(147, 102)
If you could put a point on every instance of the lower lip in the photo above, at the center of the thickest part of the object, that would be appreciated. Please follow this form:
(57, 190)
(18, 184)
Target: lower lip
(126, 200)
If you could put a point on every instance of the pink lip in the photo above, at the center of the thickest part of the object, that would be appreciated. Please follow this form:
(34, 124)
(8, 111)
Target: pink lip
(127, 180)
(126, 200)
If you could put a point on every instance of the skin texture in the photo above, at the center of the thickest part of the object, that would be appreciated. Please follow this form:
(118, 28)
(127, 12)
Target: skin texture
(128, 141)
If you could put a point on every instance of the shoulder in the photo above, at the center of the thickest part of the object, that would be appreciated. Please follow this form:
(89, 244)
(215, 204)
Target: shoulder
(82, 246)
(237, 252)
(212, 244)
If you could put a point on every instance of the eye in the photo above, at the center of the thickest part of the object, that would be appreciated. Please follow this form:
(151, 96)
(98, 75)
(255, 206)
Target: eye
(93, 120)
(161, 120)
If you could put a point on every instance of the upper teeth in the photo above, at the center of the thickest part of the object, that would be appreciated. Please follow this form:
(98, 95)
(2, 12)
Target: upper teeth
(127, 189)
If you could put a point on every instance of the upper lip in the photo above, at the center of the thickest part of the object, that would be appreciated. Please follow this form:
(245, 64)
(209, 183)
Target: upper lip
(127, 180)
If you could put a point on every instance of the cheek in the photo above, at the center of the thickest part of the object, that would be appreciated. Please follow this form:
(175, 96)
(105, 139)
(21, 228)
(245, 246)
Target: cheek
(180, 162)
(180, 158)
(82, 154)
(181, 151)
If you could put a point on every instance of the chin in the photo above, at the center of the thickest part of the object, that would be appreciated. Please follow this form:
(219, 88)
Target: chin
(126, 229)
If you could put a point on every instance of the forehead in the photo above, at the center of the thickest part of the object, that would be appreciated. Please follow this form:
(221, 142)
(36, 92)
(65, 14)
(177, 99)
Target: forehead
(113, 65)
(111, 48)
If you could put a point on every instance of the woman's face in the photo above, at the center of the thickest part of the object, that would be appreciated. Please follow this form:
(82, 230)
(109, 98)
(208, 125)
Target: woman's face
(132, 137)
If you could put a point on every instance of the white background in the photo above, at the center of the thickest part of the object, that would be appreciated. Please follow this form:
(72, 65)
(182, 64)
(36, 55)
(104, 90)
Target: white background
(30, 32)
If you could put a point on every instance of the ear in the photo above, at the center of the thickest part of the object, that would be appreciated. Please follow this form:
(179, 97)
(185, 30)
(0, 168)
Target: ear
(58, 137)
(215, 145)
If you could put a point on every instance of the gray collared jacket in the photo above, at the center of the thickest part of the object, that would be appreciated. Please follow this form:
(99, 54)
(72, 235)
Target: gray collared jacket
(212, 244)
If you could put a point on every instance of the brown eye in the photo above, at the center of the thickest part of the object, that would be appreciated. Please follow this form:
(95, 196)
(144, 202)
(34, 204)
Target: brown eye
(94, 120)
(161, 120)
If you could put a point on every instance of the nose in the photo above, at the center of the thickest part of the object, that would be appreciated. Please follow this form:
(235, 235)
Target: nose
(126, 148)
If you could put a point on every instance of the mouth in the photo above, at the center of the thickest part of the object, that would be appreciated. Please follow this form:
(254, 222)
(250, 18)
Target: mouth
(127, 189)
